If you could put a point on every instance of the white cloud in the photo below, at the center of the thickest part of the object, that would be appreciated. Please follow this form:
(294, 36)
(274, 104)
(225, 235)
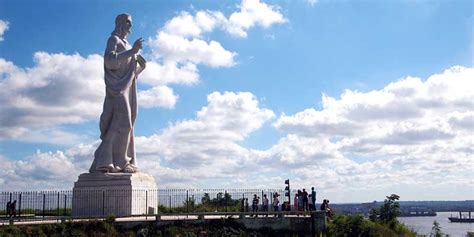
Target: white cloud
(168, 73)
(227, 119)
(404, 133)
(59, 89)
(4, 25)
(160, 96)
(182, 153)
(253, 12)
(62, 89)
(45, 171)
(179, 49)
(65, 89)
(187, 25)
(425, 151)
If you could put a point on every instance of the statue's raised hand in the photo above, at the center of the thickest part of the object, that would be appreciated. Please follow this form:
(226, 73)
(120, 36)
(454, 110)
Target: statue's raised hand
(137, 45)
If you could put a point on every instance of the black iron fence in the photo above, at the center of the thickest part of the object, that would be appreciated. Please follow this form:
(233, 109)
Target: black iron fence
(101, 203)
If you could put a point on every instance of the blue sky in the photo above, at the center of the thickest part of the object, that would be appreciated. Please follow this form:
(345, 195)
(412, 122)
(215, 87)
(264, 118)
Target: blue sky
(335, 94)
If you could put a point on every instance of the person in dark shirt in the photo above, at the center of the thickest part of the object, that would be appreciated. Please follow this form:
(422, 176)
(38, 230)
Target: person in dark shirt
(305, 200)
(323, 206)
(313, 198)
(9, 208)
(246, 205)
(13, 209)
(265, 203)
(255, 202)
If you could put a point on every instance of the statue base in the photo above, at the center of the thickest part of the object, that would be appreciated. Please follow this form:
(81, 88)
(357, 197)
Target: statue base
(118, 194)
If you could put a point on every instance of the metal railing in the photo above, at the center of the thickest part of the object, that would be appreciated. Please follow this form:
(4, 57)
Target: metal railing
(56, 205)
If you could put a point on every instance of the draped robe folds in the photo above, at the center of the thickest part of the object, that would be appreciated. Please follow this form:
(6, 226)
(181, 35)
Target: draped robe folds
(117, 149)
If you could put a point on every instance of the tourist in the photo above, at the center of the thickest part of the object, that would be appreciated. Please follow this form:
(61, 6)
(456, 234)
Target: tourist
(13, 209)
(305, 200)
(313, 198)
(300, 200)
(246, 205)
(295, 202)
(265, 203)
(325, 207)
(255, 202)
(9, 206)
(275, 202)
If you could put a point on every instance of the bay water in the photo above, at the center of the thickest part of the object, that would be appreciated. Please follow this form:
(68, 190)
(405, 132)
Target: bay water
(423, 224)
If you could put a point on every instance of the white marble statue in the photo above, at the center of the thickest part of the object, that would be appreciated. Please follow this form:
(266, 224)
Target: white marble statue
(122, 65)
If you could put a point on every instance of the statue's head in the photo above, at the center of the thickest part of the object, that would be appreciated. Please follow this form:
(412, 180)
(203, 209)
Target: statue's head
(123, 25)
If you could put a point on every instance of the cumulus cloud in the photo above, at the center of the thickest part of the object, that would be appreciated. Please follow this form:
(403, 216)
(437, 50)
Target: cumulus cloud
(4, 25)
(161, 96)
(405, 132)
(176, 48)
(169, 73)
(182, 153)
(179, 46)
(58, 90)
(253, 12)
(343, 155)
(62, 89)
(409, 106)
(210, 140)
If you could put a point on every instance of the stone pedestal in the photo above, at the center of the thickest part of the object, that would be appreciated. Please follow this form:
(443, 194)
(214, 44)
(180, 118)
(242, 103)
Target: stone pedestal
(119, 194)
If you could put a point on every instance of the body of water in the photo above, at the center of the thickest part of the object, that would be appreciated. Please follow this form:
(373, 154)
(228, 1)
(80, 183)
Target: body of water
(422, 225)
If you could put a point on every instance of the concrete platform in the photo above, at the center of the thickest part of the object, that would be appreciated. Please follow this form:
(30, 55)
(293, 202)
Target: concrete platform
(119, 194)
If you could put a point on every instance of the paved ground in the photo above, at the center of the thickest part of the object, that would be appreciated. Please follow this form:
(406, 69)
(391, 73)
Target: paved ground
(31, 220)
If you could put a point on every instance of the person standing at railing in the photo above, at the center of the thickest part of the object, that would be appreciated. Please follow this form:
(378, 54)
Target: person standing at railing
(246, 205)
(265, 203)
(13, 209)
(276, 202)
(255, 202)
(305, 200)
(9, 208)
(300, 200)
(295, 202)
(313, 198)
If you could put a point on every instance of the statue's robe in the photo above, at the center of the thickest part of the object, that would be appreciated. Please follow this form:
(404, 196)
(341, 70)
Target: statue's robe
(117, 148)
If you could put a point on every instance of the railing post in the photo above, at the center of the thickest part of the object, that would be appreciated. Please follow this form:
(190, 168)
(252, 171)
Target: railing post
(19, 205)
(225, 199)
(194, 202)
(187, 201)
(57, 209)
(146, 204)
(103, 203)
(65, 199)
(44, 203)
(157, 200)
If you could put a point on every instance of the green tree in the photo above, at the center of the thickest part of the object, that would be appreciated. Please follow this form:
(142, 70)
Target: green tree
(436, 230)
(374, 214)
(390, 209)
(206, 198)
(388, 212)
